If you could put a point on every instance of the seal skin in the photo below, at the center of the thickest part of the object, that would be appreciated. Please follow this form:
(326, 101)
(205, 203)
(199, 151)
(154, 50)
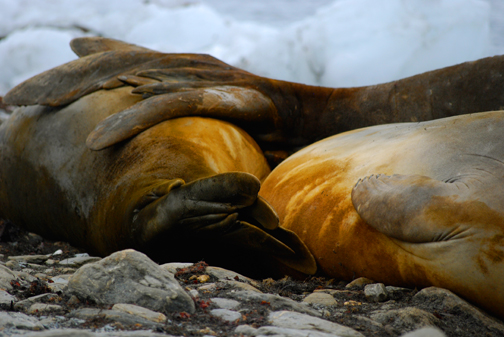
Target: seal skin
(279, 115)
(183, 189)
(434, 217)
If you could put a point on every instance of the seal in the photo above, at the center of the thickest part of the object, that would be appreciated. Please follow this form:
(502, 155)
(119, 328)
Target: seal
(279, 115)
(409, 204)
(183, 189)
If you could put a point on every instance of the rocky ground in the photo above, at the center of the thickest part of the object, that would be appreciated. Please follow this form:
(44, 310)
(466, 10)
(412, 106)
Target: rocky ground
(51, 289)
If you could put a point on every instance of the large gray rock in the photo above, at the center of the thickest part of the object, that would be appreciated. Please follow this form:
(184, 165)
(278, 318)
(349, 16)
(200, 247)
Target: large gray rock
(247, 330)
(444, 301)
(425, 332)
(130, 277)
(19, 320)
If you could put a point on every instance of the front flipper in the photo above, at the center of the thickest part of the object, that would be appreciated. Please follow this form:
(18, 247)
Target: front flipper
(220, 102)
(224, 208)
(411, 208)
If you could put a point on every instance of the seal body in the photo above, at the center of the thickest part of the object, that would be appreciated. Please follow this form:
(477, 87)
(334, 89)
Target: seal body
(434, 218)
(131, 195)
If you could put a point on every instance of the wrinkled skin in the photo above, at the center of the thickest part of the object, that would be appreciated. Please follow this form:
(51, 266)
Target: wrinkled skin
(435, 217)
(184, 189)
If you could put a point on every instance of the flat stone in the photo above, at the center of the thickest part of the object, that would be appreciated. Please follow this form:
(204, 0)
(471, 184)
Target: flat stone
(425, 332)
(6, 298)
(84, 333)
(113, 315)
(376, 292)
(6, 276)
(396, 293)
(226, 314)
(241, 285)
(59, 282)
(19, 320)
(275, 302)
(26, 304)
(322, 299)
(44, 308)
(405, 319)
(296, 320)
(247, 330)
(37, 259)
(225, 303)
(141, 312)
(130, 277)
(173, 266)
(359, 283)
(444, 301)
(77, 262)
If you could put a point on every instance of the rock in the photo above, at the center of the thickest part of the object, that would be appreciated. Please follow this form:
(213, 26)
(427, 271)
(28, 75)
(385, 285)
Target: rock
(359, 283)
(59, 282)
(406, 319)
(241, 285)
(173, 266)
(19, 321)
(130, 277)
(376, 292)
(226, 314)
(26, 304)
(425, 332)
(396, 293)
(6, 276)
(140, 312)
(225, 303)
(275, 302)
(114, 315)
(295, 320)
(84, 333)
(6, 298)
(208, 287)
(247, 330)
(77, 262)
(321, 299)
(44, 308)
(447, 303)
(37, 259)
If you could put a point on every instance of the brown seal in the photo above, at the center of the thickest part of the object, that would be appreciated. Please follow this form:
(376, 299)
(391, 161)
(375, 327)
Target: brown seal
(278, 114)
(435, 217)
(182, 189)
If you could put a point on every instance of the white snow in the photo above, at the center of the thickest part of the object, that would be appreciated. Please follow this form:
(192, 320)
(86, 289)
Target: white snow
(338, 43)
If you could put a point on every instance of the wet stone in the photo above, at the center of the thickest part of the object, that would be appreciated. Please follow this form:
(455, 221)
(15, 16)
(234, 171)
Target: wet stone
(225, 303)
(77, 262)
(130, 277)
(43, 308)
(320, 299)
(296, 320)
(226, 314)
(6, 298)
(376, 292)
(275, 302)
(405, 319)
(140, 312)
(26, 304)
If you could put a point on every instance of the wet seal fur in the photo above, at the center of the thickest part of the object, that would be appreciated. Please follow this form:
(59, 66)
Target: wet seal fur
(412, 204)
(183, 189)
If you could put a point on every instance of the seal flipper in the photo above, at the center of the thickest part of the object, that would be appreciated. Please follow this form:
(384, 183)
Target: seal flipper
(83, 46)
(212, 208)
(410, 208)
(218, 102)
